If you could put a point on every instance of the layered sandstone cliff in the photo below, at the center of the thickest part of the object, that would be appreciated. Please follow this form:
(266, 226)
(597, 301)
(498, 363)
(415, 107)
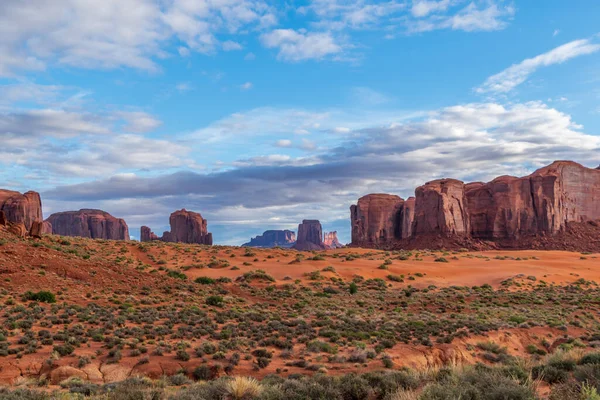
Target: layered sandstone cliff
(186, 227)
(503, 210)
(273, 238)
(88, 223)
(21, 208)
(310, 236)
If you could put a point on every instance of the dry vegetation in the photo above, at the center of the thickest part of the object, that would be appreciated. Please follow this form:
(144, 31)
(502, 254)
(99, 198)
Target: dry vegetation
(155, 320)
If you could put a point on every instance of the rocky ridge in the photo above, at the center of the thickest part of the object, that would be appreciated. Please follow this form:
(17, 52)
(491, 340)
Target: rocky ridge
(503, 212)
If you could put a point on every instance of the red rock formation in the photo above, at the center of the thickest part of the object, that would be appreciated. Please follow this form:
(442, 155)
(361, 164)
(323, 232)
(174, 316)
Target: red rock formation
(189, 227)
(310, 236)
(330, 240)
(408, 217)
(47, 228)
(273, 238)
(95, 224)
(3, 219)
(440, 208)
(21, 208)
(146, 235)
(186, 227)
(376, 219)
(506, 210)
(37, 229)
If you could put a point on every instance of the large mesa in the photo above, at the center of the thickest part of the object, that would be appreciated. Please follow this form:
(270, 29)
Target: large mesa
(88, 223)
(550, 201)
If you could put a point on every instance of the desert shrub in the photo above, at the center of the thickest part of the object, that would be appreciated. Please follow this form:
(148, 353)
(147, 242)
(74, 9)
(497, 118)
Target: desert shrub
(204, 280)
(177, 274)
(478, 383)
(216, 301)
(179, 380)
(353, 289)
(41, 296)
(590, 358)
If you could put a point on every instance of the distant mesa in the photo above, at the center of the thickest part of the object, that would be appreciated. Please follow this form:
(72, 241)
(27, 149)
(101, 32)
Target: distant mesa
(273, 238)
(186, 227)
(87, 223)
(541, 210)
(20, 213)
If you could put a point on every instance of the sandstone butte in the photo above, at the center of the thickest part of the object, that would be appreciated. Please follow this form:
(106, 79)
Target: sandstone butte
(310, 236)
(21, 213)
(273, 238)
(557, 205)
(88, 223)
(186, 227)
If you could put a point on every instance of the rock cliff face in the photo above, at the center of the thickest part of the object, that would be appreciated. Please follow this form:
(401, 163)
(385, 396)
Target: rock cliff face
(273, 238)
(186, 227)
(94, 224)
(440, 208)
(504, 210)
(21, 208)
(330, 240)
(189, 227)
(377, 219)
(310, 236)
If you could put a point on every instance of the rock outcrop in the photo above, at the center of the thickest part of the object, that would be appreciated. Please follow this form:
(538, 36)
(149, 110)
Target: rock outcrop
(273, 238)
(47, 228)
(330, 240)
(21, 208)
(186, 227)
(87, 223)
(376, 219)
(440, 208)
(310, 236)
(503, 211)
(146, 235)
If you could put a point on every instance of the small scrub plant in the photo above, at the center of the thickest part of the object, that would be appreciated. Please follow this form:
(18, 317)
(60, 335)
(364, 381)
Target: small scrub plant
(41, 296)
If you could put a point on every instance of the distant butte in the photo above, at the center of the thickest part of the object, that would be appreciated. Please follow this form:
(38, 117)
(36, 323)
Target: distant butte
(186, 227)
(557, 206)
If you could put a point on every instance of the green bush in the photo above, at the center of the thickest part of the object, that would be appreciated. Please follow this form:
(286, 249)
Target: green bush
(41, 296)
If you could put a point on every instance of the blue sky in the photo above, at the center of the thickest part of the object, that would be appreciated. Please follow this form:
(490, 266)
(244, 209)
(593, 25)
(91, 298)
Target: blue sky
(259, 114)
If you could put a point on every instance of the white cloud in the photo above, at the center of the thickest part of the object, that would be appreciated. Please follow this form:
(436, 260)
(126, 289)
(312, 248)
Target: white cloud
(283, 143)
(118, 33)
(139, 121)
(556, 32)
(246, 86)
(422, 8)
(250, 57)
(230, 45)
(516, 74)
(299, 45)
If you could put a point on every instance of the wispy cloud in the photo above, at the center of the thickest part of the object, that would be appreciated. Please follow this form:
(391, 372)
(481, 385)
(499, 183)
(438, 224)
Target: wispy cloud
(300, 45)
(517, 74)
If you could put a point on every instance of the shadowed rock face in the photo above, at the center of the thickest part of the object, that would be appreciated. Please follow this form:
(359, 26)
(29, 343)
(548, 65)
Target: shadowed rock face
(440, 208)
(94, 224)
(21, 208)
(310, 236)
(507, 208)
(273, 238)
(330, 240)
(377, 219)
(186, 227)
